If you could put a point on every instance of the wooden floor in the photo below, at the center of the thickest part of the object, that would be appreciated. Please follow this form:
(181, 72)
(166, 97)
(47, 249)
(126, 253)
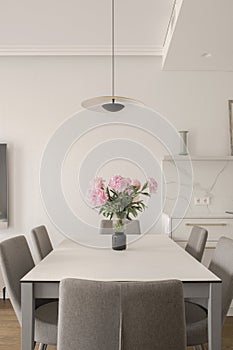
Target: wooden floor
(10, 330)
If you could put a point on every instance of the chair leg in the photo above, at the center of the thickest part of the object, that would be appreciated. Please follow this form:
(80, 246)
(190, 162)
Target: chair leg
(202, 347)
(42, 346)
(4, 293)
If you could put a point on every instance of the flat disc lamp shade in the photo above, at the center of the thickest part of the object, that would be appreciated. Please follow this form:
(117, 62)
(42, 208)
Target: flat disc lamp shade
(108, 103)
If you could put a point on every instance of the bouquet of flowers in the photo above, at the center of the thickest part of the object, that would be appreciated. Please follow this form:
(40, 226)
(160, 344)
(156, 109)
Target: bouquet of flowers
(121, 198)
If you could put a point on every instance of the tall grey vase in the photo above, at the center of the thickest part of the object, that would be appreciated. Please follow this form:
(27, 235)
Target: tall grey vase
(183, 142)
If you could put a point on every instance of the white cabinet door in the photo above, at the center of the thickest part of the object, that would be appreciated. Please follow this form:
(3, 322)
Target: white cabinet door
(215, 227)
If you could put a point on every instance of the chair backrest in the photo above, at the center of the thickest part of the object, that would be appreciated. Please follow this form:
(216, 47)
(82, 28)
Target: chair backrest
(88, 315)
(153, 315)
(131, 227)
(41, 240)
(222, 266)
(135, 315)
(197, 241)
(16, 260)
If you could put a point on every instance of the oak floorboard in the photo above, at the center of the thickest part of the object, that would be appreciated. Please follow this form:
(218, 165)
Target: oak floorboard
(10, 336)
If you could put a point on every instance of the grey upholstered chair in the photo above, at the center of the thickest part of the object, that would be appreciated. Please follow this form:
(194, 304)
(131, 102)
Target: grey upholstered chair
(41, 240)
(197, 241)
(131, 227)
(16, 261)
(153, 315)
(127, 315)
(196, 316)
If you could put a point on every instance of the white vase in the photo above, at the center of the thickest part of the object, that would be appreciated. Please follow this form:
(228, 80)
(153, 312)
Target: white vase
(183, 142)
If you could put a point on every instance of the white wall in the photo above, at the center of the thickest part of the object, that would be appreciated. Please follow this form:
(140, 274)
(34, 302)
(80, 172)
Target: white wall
(38, 93)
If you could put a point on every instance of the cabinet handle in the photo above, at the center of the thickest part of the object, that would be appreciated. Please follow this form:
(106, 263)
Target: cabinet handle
(207, 224)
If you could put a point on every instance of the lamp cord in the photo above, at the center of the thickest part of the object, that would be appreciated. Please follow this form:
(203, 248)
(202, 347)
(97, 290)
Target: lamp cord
(113, 49)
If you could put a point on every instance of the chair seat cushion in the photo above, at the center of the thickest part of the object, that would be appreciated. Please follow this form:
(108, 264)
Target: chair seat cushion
(196, 324)
(46, 317)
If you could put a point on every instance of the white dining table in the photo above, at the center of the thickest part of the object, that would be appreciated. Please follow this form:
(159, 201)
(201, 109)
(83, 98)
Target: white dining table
(150, 258)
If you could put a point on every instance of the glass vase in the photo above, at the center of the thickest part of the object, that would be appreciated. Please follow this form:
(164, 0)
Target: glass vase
(119, 236)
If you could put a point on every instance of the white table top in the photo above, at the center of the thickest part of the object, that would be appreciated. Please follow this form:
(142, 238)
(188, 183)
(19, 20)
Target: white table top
(151, 258)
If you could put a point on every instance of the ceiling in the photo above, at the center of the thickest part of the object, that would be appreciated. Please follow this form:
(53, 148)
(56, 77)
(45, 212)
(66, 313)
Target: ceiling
(203, 37)
(83, 26)
(198, 33)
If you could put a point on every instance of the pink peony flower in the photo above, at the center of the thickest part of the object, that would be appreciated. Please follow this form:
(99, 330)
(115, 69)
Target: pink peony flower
(97, 182)
(96, 197)
(114, 181)
(123, 184)
(152, 185)
(136, 183)
(119, 183)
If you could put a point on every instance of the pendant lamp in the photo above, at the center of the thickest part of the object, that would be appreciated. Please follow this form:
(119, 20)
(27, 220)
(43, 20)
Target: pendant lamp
(111, 103)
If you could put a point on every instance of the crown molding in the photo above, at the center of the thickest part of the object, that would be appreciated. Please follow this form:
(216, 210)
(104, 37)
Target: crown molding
(47, 50)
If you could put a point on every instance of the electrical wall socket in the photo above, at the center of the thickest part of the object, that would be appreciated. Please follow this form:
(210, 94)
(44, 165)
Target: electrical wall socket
(201, 200)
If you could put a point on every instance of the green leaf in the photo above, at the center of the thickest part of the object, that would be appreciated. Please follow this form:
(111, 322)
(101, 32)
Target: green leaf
(114, 192)
(108, 193)
(101, 210)
(134, 212)
(144, 186)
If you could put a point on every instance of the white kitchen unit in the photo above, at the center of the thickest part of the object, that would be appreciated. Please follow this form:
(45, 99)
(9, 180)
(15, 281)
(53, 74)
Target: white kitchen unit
(216, 227)
(207, 202)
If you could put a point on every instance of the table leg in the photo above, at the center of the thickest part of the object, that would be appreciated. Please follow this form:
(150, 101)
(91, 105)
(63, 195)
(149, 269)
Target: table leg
(28, 310)
(215, 316)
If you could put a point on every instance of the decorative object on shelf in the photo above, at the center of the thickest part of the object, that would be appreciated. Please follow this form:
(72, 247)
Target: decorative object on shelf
(183, 142)
(120, 200)
(111, 103)
(230, 104)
